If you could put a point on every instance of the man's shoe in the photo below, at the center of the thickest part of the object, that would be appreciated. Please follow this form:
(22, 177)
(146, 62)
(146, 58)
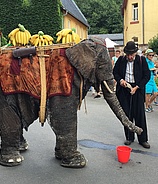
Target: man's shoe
(145, 144)
(127, 142)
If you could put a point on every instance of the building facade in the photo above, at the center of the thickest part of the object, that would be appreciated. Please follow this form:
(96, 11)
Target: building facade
(140, 20)
(73, 18)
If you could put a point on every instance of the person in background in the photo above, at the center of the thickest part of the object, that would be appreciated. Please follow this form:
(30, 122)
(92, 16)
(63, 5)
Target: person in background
(151, 91)
(143, 52)
(115, 58)
(94, 91)
(131, 73)
(98, 90)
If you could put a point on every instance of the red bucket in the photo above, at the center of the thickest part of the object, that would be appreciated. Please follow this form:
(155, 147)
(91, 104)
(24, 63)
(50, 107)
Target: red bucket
(123, 153)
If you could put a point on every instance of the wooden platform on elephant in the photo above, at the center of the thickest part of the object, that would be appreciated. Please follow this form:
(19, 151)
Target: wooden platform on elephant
(25, 78)
(5, 50)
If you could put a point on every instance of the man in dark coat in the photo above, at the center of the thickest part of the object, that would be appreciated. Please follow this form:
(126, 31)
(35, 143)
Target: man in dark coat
(131, 73)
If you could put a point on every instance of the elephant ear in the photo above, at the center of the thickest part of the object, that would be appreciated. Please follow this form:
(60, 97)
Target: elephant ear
(82, 56)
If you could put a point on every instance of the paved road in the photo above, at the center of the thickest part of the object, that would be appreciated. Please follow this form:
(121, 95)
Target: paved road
(99, 132)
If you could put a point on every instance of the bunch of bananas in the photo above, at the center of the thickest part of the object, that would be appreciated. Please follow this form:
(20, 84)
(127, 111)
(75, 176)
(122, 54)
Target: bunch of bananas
(41, 39)
(68, 36)
(19, 36)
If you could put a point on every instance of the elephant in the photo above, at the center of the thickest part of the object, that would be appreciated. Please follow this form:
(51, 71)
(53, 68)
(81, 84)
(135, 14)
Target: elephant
(92, 66)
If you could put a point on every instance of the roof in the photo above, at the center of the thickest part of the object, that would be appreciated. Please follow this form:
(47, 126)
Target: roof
(117, 37)
(71, 7)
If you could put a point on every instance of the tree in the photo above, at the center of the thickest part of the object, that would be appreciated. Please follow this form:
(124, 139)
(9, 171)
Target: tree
(34, 15)
(103, 16)
(153, 44)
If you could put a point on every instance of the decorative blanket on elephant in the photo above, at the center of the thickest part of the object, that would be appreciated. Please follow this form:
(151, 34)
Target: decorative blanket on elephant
(25, 77)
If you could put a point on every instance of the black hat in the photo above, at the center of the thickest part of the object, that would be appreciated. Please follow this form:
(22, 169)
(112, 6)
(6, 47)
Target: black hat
(130, 48)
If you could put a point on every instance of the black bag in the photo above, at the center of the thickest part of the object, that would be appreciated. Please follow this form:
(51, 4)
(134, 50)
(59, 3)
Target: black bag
(20, 53)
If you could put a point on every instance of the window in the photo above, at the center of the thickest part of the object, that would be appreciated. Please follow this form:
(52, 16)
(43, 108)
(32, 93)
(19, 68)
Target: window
(135, 11)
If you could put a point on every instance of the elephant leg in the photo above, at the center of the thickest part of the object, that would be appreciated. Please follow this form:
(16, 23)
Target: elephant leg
(10, 134)
(63, 119)
(12, 101)
(23, 142)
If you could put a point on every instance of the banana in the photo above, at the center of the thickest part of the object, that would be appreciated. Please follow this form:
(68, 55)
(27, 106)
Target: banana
(49, 38)
(73, 36)
(28, 36)
(12, 37)
(22, 38)
(28, 33)
(59, 38)
(77, 38)
(65, 32)
(13, 32)
(18, 37)
(50, 43)
(41, 38)
(36, 41)
(14, 42)
(33, 38)
(63, 39)
(70, 38)
(67, 38)
(39, 42)
(45, 41)
(43, 44)
(46, 37)
(59, 33)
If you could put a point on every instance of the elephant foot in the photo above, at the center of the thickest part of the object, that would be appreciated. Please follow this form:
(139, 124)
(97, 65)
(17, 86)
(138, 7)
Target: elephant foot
(11, 160)
(23, 145)
(76, 161)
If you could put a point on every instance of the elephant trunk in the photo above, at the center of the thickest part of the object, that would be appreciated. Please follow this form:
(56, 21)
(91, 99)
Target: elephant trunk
(111, 98)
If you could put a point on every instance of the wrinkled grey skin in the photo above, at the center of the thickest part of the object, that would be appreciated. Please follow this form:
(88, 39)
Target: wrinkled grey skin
(95, 55)
(10, 134)
(91, 60)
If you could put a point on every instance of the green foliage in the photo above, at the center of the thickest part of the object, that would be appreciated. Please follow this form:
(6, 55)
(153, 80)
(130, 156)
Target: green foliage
(153, 44)
(103, 16)
(26, 3)
(34, 15)
(3, 41)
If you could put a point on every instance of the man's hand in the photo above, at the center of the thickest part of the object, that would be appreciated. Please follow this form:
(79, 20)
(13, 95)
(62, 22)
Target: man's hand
(123, 83)
(133, 90)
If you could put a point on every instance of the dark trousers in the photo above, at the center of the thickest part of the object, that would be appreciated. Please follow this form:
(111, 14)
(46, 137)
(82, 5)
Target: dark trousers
(133, 106)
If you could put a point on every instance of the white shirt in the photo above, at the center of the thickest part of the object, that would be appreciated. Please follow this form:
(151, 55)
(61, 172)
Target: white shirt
(129, 77)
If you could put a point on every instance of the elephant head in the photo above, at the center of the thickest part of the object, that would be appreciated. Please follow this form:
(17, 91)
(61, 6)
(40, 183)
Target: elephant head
(92, 61)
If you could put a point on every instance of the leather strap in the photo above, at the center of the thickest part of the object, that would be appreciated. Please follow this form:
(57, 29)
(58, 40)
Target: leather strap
(42, 111)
